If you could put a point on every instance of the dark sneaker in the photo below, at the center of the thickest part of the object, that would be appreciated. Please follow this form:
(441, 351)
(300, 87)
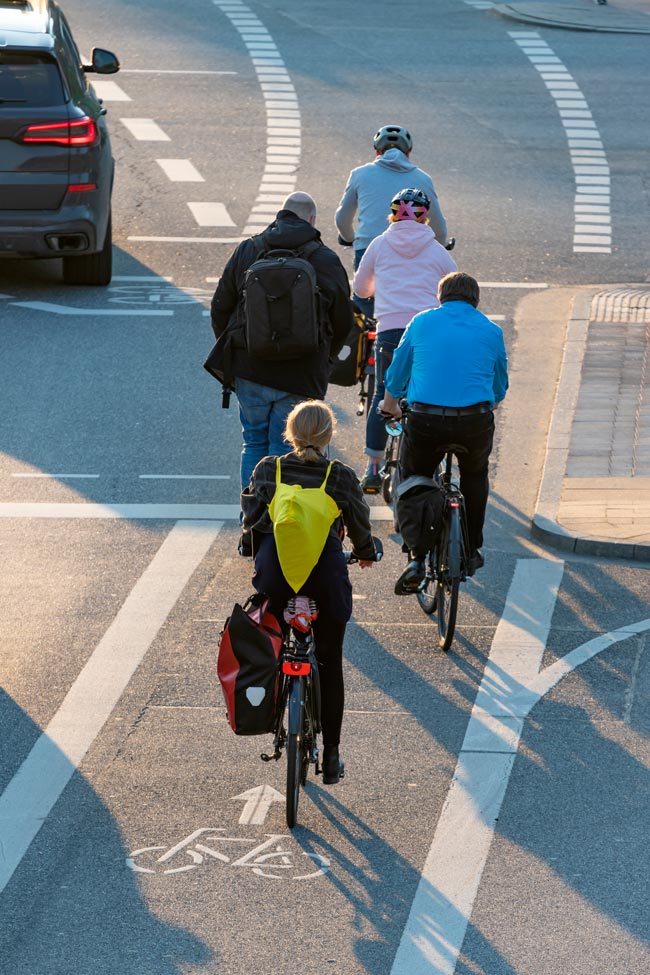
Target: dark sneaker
(371, 482)
(476, 561)
(333, 767)
(245, 545)
(411, 578)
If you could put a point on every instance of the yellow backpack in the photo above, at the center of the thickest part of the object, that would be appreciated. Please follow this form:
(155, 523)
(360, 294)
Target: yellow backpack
(302, 518)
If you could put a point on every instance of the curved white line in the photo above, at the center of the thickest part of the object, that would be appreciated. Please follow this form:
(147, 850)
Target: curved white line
(592, 231)
(283, 133)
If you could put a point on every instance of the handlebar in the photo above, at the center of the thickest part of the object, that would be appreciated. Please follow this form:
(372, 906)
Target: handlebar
(351, 557)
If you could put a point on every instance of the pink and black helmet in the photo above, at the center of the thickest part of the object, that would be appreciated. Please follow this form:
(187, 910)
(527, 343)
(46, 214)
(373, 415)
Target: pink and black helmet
(410, 204)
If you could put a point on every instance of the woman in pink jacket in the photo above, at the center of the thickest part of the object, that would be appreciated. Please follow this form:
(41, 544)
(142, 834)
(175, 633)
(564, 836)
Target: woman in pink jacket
(401, 268)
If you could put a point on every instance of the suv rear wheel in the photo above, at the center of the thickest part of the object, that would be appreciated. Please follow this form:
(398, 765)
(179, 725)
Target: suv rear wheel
(92, 269)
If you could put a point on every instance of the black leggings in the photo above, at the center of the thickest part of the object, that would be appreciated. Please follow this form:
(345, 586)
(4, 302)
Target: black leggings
(329, 585)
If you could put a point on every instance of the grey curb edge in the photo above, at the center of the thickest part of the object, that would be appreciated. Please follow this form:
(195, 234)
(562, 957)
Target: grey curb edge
(594, 20)
(544, 525)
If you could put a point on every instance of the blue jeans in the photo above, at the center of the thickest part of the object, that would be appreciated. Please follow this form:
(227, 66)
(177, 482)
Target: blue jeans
(367, 305)
(263, 413)
(376, 435)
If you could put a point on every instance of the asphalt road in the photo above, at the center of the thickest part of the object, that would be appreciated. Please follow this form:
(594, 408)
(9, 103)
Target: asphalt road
(128, 843)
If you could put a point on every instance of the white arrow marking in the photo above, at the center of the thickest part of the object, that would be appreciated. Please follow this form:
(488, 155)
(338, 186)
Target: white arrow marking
(258, 803)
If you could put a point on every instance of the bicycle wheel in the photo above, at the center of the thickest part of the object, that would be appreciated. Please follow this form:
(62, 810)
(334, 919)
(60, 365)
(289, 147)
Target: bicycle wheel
(371, 391)
(295, 740)
(427, 596)
(448, 572)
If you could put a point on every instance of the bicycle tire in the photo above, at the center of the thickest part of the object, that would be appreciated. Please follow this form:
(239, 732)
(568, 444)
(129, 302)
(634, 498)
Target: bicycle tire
(371, 391)
(295, 740)
(428, 595)
(448, 572)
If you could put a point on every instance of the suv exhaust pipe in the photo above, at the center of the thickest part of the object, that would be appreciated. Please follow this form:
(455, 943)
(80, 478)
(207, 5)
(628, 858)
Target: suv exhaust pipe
(67, 242)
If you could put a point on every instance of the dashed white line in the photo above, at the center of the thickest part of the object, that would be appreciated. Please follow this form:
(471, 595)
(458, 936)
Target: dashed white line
(180, 170)
(110, 91)
(279, 93)
(145, 130)
(592, 180)
(211, 215)
(184, 477)
(57, 477)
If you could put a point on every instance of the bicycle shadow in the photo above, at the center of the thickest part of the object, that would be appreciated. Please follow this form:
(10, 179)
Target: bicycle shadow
(380, 885)
(72, 904)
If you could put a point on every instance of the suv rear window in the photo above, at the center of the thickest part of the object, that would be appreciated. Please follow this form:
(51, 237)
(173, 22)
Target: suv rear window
(29, 79)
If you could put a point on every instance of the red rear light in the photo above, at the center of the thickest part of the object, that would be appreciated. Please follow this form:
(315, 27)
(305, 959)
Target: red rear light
(81, 132)
(453, 504)
(295, 668)
(81, 187)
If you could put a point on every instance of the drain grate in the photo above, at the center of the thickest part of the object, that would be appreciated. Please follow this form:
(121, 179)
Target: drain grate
(621, 305)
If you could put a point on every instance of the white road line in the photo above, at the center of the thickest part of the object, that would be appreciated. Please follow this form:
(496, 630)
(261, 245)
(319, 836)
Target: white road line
(186, 240)
(58, 477)
(211, 215)
(91, 312)
(140, 512)
(153, 278)
(278, 92)
(35, 788)
(180, 170)
(184, 477)
(513, 284)
(168, 71)
(110, 91)
(443, 902)
(579, 126)
(145, 130)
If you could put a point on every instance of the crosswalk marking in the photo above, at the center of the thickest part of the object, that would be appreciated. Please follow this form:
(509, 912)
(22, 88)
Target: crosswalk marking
(145, 130)
(211, 215)
(180, 170)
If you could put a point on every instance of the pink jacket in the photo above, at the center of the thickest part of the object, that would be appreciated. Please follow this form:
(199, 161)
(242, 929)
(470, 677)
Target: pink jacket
(401, 268)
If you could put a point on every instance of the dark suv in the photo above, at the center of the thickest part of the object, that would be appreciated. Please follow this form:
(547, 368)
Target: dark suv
(56, 167)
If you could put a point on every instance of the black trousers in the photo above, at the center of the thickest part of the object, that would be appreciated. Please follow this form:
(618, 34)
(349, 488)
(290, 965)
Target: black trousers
(420, 454)
(329, 585)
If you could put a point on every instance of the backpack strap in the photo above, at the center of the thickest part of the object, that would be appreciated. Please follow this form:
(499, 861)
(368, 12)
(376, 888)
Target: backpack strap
(309, 248)
(278, 473)
(327, 474)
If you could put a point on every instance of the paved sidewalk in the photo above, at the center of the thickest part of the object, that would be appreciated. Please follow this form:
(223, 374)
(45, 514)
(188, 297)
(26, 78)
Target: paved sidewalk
(615, 16)
(595, 491)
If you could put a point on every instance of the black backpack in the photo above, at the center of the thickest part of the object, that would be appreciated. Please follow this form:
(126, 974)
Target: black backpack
(281, 306)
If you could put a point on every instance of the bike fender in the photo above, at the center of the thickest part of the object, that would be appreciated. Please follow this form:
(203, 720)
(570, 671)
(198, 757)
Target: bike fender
(296, 697)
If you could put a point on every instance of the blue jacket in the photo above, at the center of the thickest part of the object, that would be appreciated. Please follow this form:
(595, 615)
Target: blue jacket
(450, 356)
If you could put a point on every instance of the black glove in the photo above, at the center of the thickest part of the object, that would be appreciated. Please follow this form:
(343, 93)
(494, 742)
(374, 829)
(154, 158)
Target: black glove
(344, 243)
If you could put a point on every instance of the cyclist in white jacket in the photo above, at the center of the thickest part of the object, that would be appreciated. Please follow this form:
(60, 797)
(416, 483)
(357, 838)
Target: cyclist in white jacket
(401, 268)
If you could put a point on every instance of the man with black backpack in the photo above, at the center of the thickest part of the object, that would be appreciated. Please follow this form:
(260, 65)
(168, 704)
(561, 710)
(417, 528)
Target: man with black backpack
(281, 314)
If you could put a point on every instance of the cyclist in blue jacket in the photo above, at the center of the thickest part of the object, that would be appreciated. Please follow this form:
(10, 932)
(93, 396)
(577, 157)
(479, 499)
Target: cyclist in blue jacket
(451, 365)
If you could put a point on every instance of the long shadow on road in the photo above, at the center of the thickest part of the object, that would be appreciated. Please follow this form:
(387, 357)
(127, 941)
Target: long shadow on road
(72, 905)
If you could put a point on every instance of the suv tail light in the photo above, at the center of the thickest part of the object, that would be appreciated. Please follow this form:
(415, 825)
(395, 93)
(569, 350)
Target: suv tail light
(80, 132)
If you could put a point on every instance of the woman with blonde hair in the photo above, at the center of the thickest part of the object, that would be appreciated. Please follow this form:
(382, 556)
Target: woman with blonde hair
(309, 429)
(401, 268)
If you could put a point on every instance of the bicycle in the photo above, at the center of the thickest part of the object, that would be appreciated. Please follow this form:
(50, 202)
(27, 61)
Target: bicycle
(365, 360)
(299, 696)
(389, 469)
(447, 562)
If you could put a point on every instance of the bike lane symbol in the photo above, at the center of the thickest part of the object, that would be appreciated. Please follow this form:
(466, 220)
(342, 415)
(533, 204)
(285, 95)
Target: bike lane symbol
(271, 858)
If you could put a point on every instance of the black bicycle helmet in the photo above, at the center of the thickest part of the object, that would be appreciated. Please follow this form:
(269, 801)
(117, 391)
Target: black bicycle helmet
(410, 204)
(390, 136)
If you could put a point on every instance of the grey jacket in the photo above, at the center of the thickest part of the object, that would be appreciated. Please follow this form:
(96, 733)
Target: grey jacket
(369, 192)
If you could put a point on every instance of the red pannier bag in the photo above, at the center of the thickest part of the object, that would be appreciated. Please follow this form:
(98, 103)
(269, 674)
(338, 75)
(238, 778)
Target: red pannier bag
(247, 666)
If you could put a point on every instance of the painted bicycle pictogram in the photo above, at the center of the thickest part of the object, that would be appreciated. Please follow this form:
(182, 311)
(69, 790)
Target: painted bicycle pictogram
(157, 293)
(273, 858)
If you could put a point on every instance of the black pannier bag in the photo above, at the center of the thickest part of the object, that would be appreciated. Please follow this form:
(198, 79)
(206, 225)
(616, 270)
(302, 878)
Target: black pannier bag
(419, 510)
(247, 666)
